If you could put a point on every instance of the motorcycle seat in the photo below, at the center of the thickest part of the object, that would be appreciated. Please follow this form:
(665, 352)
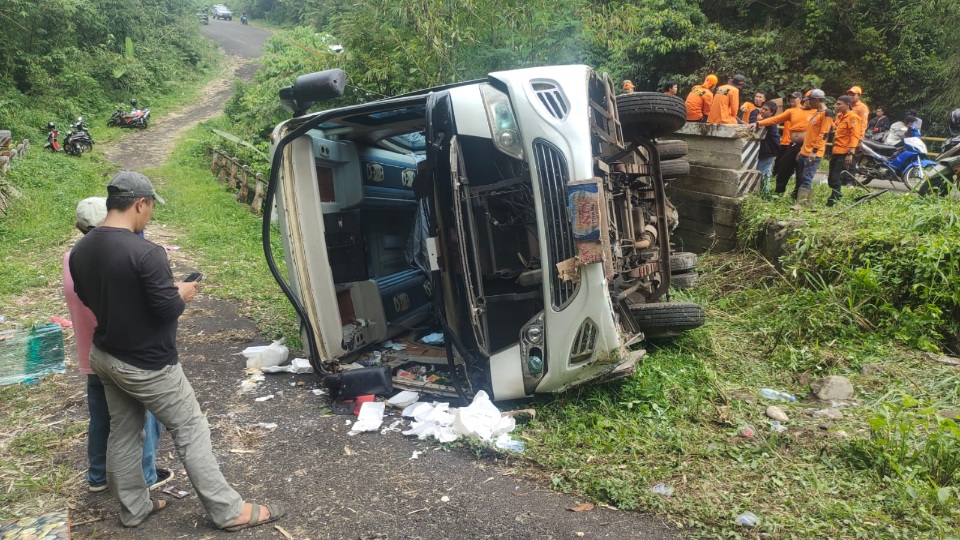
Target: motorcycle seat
(880, 148)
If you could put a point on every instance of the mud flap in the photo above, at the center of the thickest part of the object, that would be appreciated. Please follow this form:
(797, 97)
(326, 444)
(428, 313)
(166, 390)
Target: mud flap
(345, 387)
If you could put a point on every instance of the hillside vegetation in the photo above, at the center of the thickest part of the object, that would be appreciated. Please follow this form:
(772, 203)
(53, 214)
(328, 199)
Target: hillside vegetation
(871, 293)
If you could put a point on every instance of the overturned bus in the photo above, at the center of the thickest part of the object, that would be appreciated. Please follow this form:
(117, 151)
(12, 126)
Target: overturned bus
(509, 234)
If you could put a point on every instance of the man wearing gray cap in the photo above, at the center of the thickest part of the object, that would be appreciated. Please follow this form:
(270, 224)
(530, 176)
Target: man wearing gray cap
(90, 213)
(126, 282)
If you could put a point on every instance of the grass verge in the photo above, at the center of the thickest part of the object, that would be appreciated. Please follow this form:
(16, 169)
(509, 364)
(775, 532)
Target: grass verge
(886, 468)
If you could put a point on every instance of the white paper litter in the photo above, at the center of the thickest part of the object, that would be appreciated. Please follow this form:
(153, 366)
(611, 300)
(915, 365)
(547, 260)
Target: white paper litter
(273, 354)
(269, 426)
(319, 392)
(435, 338)
(403, 399)
(481, 419)
(264, 398)
(394, 426)
(415, 455)
(393, 346)
(251, 382)
(297, 365)
(370, 417)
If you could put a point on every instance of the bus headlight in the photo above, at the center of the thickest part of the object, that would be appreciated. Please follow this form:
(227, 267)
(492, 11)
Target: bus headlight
(503, 124)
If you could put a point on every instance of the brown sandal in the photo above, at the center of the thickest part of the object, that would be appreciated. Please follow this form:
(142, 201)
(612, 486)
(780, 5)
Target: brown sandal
(156, 508)
(276, 512)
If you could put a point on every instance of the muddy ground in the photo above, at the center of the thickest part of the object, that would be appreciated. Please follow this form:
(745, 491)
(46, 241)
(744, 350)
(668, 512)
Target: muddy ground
(334, 485)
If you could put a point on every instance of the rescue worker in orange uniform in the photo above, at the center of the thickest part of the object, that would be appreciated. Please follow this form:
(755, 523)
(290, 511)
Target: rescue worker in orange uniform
(846, 137)
(814, 145)
(860, 108)
(628, 86)
(795, 121)
(747, 114)
(794, 101)
(700, 99)
(726, 102)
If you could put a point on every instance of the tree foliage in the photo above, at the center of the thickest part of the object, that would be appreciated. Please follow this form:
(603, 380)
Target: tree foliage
(68, 57)
(900, 51)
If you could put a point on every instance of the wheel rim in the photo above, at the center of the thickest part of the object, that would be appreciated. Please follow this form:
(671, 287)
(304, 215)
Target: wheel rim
(913, 178)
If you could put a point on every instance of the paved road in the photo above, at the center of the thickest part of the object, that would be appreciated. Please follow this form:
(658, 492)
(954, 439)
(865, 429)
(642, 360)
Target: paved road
(150, 147)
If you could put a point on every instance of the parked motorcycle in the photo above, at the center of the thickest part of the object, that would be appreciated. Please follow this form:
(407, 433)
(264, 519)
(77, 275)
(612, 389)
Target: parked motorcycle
(898, 163)
(943, 176)
(78, 139)
(52, 144)
(137, 118)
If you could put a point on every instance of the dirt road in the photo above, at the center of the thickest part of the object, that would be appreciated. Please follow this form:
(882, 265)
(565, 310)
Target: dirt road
(335, 486)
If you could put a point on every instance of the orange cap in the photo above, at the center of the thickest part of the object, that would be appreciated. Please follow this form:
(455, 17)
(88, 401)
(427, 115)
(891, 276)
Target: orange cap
(628, 84)
(855, 90)
(710, 81)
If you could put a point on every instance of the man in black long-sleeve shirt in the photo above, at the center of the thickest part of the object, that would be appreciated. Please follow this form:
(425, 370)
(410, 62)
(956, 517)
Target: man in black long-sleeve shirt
(127, 283)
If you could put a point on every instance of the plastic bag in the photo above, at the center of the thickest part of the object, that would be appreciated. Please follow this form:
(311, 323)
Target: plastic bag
(273, 354)
(26, 355)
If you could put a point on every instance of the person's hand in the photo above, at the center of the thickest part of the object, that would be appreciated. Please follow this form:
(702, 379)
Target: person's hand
(810, 159)
(188, 289)
(849, 159)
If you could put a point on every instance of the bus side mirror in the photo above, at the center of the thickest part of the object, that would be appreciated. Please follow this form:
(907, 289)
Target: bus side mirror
(312, 88)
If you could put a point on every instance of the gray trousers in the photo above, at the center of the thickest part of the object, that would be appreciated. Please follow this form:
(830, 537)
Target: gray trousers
(167, 394)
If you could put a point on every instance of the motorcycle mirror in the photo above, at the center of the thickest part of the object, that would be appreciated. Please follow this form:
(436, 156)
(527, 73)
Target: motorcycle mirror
(311, 88)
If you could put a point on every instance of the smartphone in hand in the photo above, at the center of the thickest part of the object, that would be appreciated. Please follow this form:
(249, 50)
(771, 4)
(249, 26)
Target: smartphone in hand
(196, 276)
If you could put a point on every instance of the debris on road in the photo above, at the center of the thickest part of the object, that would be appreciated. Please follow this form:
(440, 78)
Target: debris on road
(297, 365)
(265, 398)
(403, 399)
(369, 419)
(582, 507)
(174, 491)
(266, 355)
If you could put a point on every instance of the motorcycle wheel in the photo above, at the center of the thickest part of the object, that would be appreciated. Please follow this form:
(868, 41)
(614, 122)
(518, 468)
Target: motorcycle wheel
(72, 150)
(913, 178)
(937, 180)
(85, 146)
(111, 122)
(862, 173)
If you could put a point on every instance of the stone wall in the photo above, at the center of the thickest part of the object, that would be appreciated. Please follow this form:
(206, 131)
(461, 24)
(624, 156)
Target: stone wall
(723, 160)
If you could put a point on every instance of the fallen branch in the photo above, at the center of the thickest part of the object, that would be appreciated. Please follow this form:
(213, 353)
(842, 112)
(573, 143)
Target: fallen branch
(948, 360)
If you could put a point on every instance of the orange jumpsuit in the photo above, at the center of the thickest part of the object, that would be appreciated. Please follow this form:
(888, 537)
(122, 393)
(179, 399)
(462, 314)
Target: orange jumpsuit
(848, 133)
(793, 119)
(698, 103)
(815, 141)
(861, 109)
(726, 101)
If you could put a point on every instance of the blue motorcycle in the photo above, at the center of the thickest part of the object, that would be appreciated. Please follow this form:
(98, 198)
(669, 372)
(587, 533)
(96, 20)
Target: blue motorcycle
(904, 162)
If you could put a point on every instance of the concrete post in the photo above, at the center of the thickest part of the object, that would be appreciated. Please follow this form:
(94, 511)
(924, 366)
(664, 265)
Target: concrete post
(723, 161)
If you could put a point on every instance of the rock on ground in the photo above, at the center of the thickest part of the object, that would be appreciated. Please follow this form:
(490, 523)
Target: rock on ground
(832, 387)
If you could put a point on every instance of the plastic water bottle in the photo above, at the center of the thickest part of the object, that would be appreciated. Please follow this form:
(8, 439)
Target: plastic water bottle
(748, 519)
(776, 395)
